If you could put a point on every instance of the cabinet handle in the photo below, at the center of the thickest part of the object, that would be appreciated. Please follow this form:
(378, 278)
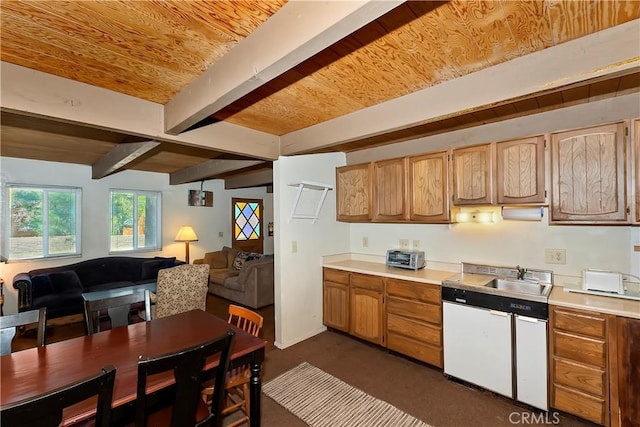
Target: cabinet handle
(528, 319)
(499, 313)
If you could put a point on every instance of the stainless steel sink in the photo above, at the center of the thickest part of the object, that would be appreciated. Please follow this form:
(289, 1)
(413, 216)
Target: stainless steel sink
(520, 286)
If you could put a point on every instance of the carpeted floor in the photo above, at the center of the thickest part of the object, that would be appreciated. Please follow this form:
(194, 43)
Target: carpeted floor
(415, 388)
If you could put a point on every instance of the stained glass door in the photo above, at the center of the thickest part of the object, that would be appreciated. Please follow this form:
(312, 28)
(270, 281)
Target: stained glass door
(247, 224)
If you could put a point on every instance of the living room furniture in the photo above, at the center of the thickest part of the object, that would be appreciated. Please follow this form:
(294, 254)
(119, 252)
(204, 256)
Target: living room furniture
(188, 367)
(237, 385)
(245, 278)
(1, 297)
(118, 309)
(31, 372)
(46, 410)
(60, 288)
(10, 322)
(181, 289)
(186, 234)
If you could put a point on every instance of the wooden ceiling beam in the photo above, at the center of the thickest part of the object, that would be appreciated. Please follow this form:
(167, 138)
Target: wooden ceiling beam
(613, 51)
(257, 178)
(297, 31)
(209, 169)
(120, 156)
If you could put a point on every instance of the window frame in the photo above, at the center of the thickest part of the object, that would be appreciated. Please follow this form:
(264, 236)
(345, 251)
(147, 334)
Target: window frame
(46, 189)
(136, 194)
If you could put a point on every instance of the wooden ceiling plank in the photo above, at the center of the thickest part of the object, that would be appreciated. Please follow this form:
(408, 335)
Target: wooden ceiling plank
(610, 51)
(209, 169)
(256, 178)
(301, 30)
(120, 156)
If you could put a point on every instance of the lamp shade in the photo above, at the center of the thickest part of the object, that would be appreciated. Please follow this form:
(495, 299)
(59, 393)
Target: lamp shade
(186, 234)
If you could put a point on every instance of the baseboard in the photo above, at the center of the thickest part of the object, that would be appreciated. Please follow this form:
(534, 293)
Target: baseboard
(282, 346)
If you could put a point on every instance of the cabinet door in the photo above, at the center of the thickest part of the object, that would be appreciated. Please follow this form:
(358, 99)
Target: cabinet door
(520, 171)
(625, 404)
(472, 175)
(336, 305)
(428, 188)
(353, 192)
(366, 315)
(390, 190)
(588, 175)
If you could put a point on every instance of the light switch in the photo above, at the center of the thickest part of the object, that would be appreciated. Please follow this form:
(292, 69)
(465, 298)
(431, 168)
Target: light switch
(294, 246)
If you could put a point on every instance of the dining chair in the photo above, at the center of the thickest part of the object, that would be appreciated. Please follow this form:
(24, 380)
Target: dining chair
(237, 384)
(10, 323)
(118, 309)
(46, 410)
(181, 289)
(188, 366)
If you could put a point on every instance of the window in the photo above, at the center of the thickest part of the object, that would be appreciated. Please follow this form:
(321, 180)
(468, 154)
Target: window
(44, 221)
(135, 220)
(247, 224)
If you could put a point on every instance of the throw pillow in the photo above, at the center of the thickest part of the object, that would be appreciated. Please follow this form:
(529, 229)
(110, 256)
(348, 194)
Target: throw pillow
(41, 285)
(150, 268)
(65, 281)
(239, 260)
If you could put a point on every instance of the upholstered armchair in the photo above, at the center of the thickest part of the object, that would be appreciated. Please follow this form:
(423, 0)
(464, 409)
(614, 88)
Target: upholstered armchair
(181, 289)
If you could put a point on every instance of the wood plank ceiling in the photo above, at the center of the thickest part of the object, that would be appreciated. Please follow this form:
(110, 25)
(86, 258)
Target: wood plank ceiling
(154, 49)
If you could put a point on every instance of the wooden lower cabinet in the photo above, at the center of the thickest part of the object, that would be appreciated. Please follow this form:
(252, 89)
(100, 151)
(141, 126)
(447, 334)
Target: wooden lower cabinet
(414, 320)
(335, 295)
(366, 313)
(625, 374)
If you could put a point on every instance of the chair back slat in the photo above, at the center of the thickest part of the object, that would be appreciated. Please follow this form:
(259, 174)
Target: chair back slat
(118, 309)
(10, 323)
(46, 410)
(245, 319)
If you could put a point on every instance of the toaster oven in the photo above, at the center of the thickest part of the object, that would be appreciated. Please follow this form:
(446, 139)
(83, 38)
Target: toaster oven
(412, 260)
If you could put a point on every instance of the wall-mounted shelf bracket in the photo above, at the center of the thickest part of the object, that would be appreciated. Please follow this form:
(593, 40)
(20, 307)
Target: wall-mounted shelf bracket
(312, 186)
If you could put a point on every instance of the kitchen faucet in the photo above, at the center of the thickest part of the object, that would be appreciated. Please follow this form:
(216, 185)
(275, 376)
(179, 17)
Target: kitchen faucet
(521, 272)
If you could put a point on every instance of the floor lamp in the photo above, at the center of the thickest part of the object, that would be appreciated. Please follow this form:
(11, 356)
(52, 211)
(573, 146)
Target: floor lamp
(186, 234)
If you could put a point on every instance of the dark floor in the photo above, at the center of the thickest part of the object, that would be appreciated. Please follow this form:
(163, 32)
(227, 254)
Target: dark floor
(415, 388)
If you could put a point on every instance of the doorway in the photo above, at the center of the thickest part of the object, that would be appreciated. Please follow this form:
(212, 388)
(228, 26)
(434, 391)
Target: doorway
(246, 217)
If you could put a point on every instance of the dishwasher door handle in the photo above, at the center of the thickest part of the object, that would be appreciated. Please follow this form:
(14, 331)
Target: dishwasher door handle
(499, 313)
(528, 319)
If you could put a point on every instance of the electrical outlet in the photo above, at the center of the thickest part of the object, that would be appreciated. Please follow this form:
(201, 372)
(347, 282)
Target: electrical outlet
(404, 243)
(365, 242)
(220, 234)
(294, 246)
(416, 245)
(555, 256)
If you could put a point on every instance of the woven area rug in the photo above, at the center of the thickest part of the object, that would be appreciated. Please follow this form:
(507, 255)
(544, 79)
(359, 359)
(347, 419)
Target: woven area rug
(322, 400)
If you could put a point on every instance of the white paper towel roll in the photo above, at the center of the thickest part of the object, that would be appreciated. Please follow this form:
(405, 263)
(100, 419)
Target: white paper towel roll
(522, 214)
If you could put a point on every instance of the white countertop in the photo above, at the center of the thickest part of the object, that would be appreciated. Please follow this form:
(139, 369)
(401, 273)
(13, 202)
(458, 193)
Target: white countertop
(425, 275)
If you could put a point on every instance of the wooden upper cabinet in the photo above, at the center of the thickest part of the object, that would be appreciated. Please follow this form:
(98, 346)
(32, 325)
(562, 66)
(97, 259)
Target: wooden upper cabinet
(472, 175)
(354, 192)
(390, 190)
(429, 194)
(520, 171)
(588, 175)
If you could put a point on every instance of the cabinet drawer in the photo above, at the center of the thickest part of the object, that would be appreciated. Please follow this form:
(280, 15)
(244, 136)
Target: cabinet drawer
(582, 323)
(580, 377)
(364, 281)
(420, 291)
(585, 350)
(412, 348)
(336, 276)
(414, 329)
(580, 404)
(415, 310)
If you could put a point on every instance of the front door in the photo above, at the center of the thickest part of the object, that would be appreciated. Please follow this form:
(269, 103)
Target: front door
(247, 227)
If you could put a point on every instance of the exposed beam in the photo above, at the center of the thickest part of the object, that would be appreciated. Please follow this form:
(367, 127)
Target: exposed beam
(297, 31)
(120, 156)
(612, 51)
(29, 92)
(256, 178)
(209, 169)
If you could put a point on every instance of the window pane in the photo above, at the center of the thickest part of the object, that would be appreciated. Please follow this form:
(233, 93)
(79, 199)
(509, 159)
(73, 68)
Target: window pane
(26, 223)
(62, 222)
(135, 220)
(121, 221)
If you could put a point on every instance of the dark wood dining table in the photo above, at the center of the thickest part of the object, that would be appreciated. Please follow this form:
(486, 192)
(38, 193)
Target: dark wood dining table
(34, 371)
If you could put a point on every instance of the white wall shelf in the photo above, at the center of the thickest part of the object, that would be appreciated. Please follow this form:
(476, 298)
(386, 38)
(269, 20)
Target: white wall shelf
(311, 186)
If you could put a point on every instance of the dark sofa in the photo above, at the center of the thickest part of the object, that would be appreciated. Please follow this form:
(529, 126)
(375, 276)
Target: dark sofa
(60, 288)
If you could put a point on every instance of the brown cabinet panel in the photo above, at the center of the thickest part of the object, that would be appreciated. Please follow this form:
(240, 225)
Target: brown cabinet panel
(366, 315)
(472, 175)
(390, 190)
(414, 290)
(416, 330)
(580, 404)
(626, 405)
(580, 349)
(581, 377)
(336, 305)
(580, 322)
(336, 276)
(354, 192)
(415, 310)
(412, 348)
(520, 171)
(428, 188)
(365, 281)
(588, 174)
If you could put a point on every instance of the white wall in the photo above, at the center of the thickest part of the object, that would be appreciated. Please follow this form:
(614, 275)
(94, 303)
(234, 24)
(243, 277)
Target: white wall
(207, 221)
(298, 276)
